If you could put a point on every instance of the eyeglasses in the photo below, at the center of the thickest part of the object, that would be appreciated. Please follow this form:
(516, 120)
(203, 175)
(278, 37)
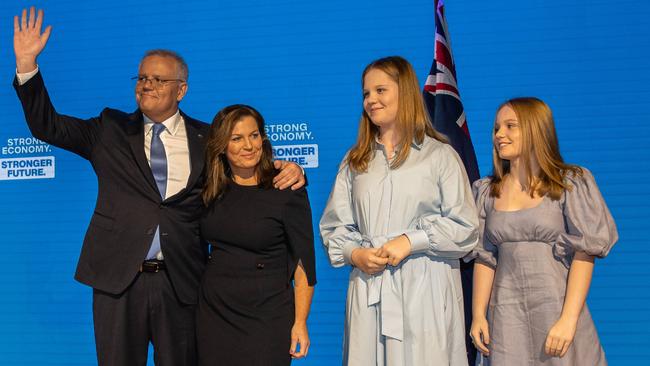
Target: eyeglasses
(156, 82)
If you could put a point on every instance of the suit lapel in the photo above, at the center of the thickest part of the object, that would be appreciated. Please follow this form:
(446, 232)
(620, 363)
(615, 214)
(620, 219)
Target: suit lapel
(135, 136)
(196, 143)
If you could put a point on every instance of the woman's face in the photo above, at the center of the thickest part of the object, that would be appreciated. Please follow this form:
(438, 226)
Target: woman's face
(507, 134)
(380, 98)
(245, 147)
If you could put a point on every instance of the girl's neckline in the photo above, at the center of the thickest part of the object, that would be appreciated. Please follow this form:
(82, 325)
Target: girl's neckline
(519, 210)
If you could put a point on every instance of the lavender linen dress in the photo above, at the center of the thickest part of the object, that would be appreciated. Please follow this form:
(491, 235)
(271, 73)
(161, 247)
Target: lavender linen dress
(531, 250)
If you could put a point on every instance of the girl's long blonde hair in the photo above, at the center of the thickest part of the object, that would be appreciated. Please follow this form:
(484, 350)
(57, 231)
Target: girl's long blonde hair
(412, 117)
(538, 141)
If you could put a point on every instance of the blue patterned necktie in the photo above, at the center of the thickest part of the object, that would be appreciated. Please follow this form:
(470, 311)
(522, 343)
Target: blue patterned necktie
(158, 161)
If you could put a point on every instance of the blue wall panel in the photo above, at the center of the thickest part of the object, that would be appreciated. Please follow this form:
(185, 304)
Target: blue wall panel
(299, 63)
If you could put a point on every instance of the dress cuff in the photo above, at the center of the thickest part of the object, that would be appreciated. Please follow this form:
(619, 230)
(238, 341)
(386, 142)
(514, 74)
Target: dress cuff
(419, 241)
(347, 249)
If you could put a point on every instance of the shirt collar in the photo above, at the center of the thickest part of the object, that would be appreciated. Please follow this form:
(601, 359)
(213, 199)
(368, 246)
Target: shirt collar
(414, 144)
(171, 123)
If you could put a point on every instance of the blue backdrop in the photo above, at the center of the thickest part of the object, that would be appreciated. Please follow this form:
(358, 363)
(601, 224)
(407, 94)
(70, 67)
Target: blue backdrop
(299, 63)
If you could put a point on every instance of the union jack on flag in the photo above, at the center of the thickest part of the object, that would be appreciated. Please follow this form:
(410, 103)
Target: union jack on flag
(443, 99)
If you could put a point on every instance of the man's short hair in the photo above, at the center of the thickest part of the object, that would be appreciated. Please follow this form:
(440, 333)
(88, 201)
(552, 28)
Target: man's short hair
(184, 71)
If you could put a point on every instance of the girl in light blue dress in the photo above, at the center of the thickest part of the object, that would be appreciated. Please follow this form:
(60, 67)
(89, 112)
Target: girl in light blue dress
(400, 214)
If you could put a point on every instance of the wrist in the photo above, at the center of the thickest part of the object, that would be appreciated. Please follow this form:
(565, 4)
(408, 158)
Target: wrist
(406, 242)
(353, 255)
(478, 314)
(300, 322)
(25, 65)
(569, 317)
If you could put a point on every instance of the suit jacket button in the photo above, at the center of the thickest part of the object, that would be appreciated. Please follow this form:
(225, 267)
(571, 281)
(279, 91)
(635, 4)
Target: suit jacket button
(260, 265)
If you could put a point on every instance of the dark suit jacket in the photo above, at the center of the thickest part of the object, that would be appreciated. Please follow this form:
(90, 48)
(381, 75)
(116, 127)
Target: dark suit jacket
(128, 203)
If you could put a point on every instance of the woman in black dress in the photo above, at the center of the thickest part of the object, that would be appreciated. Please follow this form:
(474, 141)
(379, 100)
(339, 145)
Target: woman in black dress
(257, 288)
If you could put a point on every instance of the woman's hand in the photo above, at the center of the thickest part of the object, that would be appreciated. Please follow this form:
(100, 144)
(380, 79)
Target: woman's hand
(396, 250)
(367, 260)
(480, 334)
(560, 337)
(299, 340)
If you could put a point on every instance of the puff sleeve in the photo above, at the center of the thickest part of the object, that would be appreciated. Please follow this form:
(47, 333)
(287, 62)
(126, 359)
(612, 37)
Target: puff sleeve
(485, 252)
(589, 225)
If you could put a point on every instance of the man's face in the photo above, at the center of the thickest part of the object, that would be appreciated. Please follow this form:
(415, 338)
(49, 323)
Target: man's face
(159, 100)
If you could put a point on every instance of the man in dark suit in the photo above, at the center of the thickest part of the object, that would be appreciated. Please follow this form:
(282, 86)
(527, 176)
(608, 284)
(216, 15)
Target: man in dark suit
(142, 253)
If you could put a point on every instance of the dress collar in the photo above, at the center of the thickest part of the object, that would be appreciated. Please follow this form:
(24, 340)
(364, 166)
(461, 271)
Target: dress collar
(414, 144)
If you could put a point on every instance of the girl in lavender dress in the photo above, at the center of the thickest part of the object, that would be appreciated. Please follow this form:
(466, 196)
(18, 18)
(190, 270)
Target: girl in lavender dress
(542, 222)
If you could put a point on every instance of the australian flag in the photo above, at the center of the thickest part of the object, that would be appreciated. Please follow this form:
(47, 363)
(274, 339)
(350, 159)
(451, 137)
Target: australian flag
(446, 111)
(443, 99)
